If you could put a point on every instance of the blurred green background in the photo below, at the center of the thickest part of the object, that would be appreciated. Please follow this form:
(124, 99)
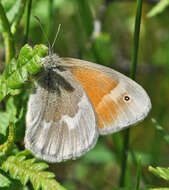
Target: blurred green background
(111, 46)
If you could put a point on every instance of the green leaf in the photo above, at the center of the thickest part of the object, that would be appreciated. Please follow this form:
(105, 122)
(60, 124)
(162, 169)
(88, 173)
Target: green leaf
(160, 172)
(7, 146)
(18, 78)
(4, 181)
(29, 62)
(30, 170)
(40, 50)
(4, 122)
(11, 108)
(160, 7)
(10, 68)
(19, 71)
(25, 54)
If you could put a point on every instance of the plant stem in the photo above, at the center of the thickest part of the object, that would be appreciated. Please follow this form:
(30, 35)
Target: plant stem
(124, 157)
(27, 19)
(132, 75)
(136, 40)
(8, 38)
(138, 173)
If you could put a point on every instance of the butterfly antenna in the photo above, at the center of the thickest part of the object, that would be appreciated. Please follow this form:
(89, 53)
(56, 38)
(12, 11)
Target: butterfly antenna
(56, 35)
(40, 24)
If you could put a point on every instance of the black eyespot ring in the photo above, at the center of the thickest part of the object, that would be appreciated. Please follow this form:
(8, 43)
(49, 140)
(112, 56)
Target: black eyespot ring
(126, 98)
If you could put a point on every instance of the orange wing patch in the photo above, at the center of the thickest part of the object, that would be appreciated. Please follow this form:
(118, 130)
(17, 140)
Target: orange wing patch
(98, 87)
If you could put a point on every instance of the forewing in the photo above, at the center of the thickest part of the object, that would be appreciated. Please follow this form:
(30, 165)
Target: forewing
(119, 101)
(60, 122)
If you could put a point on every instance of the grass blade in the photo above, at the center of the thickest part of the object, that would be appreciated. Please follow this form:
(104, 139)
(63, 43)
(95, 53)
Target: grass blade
(27, 19)
(132, 75)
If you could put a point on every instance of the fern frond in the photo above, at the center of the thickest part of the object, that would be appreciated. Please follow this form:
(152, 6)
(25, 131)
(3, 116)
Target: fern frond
(7, 146)
(160, 172)
(18, 71)
(25, 170)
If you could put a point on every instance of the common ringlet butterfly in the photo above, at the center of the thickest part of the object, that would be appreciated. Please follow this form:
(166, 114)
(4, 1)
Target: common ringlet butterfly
(73, 102)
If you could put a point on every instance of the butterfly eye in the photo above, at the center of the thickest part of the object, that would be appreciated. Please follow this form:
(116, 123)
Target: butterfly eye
(126, 98)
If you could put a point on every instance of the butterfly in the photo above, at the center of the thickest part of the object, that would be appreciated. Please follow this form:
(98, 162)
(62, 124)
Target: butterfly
(73, 102)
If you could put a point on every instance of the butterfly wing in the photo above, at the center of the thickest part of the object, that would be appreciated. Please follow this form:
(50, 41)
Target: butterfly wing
(119, 101)
(60, 121)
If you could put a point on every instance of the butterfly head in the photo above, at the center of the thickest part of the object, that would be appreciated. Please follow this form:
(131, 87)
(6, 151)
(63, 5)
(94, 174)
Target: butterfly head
(50, 62)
